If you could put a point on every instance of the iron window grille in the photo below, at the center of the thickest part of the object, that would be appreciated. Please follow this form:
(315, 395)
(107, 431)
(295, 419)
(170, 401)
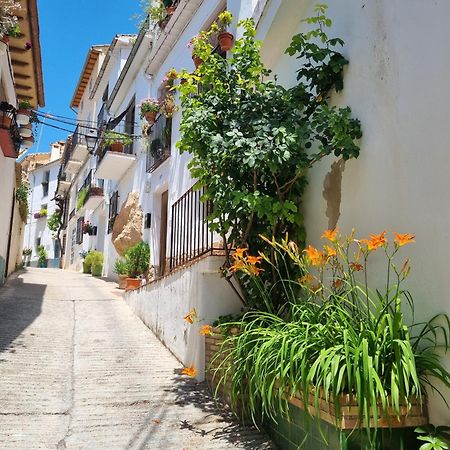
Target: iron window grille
(113, 208)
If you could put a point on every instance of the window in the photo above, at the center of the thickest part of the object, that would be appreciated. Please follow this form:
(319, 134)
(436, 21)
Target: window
(129, 124)
(45, 180)
(160, 143)
(113, 206)
(79, 235)
(38, 243)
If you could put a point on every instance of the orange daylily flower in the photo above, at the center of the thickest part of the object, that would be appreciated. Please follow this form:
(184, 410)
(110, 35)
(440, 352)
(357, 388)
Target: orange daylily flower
(238, 265)
(206, 330)
(403, 239)
(307, 279)
(189, 371)
(375, 241)
(254, 270)
(356, 266)
(337, 283)
(190, 316)
(331, 235)
(239, 253)
(330, 250)
(316, 257)
(254, 259)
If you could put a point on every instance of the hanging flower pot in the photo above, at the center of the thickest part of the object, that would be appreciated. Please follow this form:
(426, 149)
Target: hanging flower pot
(197, 61)
(28, 142)
(150, 117)
(26, 130)
(225, 41)
(23, 112)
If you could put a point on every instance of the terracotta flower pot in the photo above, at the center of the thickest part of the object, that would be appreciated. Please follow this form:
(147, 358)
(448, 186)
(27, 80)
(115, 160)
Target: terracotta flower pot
(150, 117)
(6, 122)
(23, 116)
(225, 41)
(170, 10)
(117, 147)
(132, 283)
(197, 61)
(122, 281)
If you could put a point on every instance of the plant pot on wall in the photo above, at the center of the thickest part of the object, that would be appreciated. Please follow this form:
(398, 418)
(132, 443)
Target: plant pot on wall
(117, 147)
(225, 41)
(26, 131)
(28, 142)
(150, 117)
(197, 61)
(132, 283)
(23, 116)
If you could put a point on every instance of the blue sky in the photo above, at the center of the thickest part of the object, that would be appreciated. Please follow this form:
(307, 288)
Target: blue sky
(68, 29)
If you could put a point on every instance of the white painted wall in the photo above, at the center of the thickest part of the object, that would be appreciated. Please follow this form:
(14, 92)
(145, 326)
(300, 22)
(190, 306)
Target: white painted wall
(37, 228)
(162, 305)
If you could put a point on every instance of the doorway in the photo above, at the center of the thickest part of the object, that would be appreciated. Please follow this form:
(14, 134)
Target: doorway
(163, 233)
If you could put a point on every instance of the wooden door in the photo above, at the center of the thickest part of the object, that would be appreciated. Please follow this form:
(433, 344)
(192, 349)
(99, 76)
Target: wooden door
(163, 233)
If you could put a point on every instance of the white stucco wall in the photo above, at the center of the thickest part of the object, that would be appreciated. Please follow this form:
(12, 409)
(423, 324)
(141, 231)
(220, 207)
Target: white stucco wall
(162, 305)
(37, 228)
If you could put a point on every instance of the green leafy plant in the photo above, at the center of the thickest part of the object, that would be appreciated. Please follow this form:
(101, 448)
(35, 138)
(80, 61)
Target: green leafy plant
(253, 140)
(112, 137)
(24, 104)
(54, 221)
(93, 258)
(137, 259)
(156, 11)
(42, 256)
(9, 22)
(225, 19)
(43, 212)
(339, 335)
(81, 197)
(120, 267)
(434, 438)
(22, 192)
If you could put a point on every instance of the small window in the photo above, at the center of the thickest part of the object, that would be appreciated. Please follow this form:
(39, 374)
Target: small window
(148, 220)
(79, 235)
(113, 208)
(38, 243)
(45, 180)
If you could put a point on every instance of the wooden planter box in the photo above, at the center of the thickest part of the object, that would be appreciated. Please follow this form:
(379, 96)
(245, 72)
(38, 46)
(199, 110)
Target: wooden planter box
(303, 427)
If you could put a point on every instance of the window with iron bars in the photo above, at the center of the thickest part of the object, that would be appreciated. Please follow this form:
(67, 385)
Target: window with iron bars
(113, 208)
(160, 142)
(79, 235)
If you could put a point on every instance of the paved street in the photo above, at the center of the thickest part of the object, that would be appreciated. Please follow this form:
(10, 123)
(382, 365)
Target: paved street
(79, 371)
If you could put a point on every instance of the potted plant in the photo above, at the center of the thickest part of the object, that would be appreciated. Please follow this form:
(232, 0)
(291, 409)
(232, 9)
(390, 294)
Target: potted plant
(43, 212)
(26, 131)
(120, 267)
(137, 261)
(116, 141)
(149, 109)
(42, 257)
(96, 260)
(27, 142)
(86, 262)
(225, 38)
(158, 14)
(168, 106)
(37, 215)
(170, 7)
(88, 228)
(9, 22)
(81, 197)
(198, 44)
(23, 112)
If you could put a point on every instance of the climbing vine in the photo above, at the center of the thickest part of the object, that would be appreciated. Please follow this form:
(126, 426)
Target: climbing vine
(253, 140)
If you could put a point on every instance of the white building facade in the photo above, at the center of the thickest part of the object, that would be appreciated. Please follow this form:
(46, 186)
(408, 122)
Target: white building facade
(395, 84)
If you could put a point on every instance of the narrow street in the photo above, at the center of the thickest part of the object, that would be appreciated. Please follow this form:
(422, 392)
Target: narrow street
(79, 371)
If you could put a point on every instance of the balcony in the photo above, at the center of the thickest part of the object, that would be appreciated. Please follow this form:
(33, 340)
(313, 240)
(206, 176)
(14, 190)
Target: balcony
(63, 183)
(90, 195)
(10, 139)
(112, 165)
(160, 143)
(76, 150)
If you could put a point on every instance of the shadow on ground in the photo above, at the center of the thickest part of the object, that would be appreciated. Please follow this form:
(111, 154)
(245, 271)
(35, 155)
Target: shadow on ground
(20, 305)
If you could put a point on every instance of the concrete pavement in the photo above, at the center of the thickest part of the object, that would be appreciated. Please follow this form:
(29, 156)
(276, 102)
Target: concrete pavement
(79, 371)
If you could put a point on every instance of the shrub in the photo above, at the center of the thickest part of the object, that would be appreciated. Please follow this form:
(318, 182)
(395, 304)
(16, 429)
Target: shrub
(120, 267)
(137, 259)
(42, 256)
(93, 257)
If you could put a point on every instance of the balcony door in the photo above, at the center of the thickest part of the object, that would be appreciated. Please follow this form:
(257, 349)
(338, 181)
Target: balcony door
(163, 233)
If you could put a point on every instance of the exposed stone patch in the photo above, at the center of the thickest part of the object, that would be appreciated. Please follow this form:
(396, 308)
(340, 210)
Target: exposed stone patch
(332, 191)
(127, 229)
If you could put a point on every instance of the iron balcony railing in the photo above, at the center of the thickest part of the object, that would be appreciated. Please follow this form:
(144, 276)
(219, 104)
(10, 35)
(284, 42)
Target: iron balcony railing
(190, 235)
(160, 143)
(92, 186)
(78, 138)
